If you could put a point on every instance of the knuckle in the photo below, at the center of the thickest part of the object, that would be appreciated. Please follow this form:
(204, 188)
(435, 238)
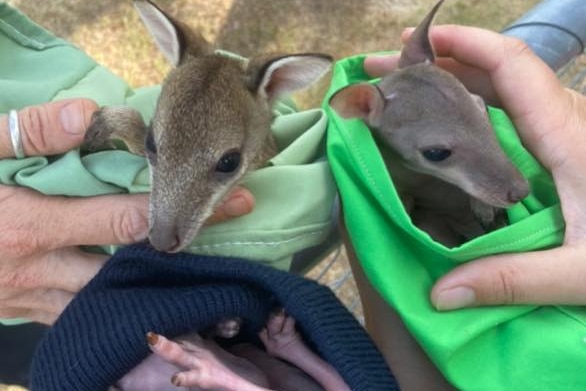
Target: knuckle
(507, 286)
(34, 122)
(130, 225)
(17, 243)
(11, 313)
(514, 47)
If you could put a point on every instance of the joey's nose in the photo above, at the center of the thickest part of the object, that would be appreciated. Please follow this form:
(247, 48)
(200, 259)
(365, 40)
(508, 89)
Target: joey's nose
(166, 240)
(517, 193)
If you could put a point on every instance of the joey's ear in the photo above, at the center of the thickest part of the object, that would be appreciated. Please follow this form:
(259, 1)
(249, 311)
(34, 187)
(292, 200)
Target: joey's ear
(362, 100)
(277, 76)
(418, 49)
(172, 37)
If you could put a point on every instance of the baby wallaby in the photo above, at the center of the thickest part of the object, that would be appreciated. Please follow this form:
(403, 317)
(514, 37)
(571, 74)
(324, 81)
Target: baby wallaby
(211, 125)
(438, 144)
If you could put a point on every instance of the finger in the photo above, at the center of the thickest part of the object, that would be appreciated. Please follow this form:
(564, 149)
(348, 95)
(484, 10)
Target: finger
(263, 335)
(545, 277)
(28, 314)
(170, 351)
(379, 66)
(239, 202)
(66, 269)
(289, 325)
(50, 128)
(70, 269)
(100, 220)
(524, 83)
(476, 81)
(39, 305)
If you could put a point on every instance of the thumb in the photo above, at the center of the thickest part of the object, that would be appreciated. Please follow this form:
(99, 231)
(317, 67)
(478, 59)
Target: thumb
(50, 128)
(556, 276)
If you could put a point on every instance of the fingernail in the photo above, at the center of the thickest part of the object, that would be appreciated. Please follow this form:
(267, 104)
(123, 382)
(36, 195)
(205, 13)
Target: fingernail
(236, 206)
(454, 298)
(73, 118)
(139, 225)
(152, 338)
(176, 380)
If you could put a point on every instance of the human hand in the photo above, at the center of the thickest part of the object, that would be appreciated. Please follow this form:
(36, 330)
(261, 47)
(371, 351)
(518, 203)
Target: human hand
(551, 121)
(41, 267)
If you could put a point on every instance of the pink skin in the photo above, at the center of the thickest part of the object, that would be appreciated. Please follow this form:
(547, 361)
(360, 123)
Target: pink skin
(192, 363)
(281, 340)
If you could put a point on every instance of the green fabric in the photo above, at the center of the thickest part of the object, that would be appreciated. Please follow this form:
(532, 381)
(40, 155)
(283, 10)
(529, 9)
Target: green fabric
(489, 349)
(293, 194)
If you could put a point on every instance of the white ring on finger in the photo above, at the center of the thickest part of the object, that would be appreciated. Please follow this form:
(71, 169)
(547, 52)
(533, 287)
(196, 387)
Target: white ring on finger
(15, 136)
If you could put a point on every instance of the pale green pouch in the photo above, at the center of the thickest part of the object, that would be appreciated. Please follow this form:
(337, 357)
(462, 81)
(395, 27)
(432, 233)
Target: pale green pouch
(294, 194)
(521, 348)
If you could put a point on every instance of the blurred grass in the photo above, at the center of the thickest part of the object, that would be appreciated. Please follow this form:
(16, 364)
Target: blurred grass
(111, 32)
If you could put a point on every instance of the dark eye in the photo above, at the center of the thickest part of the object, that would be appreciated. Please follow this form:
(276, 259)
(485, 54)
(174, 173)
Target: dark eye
(436, 154)
(229, 162)
(149, 144)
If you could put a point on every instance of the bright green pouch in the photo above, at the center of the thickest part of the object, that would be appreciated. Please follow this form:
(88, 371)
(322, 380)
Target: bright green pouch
(490, 349)
(294, 193)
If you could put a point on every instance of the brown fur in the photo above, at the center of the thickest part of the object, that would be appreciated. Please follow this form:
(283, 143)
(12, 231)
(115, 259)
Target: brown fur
(210, 105)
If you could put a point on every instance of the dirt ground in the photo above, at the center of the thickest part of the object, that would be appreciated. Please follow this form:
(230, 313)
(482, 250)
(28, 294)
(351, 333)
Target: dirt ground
(110, 31)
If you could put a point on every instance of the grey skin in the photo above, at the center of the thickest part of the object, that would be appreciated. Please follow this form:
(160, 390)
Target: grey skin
(286, 364)
(211, 125)
(437, 143)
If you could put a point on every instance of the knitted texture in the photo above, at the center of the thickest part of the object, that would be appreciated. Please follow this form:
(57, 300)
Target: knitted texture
(101, 335)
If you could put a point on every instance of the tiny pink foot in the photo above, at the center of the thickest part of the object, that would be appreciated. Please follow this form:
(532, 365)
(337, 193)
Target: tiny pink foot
(280, 337)
(203, 369)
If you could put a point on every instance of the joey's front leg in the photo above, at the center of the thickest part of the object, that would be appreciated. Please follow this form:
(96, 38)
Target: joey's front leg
(204, 369)
(123, 123)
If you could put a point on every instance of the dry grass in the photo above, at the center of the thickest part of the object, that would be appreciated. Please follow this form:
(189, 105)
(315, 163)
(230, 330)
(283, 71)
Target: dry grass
(110, 31)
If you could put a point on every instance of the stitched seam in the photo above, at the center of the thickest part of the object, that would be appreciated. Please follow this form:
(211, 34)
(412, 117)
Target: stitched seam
(11, 28)
(508, 244)
(257, 244)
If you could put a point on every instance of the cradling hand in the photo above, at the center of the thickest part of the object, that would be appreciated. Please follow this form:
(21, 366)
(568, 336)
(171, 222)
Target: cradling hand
(551, 121)
(41, 265)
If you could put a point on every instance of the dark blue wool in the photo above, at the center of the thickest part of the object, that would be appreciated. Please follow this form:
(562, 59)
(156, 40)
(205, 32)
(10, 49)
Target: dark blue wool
(101, 335)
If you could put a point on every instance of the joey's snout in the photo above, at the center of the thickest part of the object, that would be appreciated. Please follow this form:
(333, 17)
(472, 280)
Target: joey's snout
(165, 238)
(501, 191)
(518, 192)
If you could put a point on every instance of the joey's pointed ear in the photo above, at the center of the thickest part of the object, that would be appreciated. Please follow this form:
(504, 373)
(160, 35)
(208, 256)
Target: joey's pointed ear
(418, 49)
(362, 100)
(172, 37)
(277, 76)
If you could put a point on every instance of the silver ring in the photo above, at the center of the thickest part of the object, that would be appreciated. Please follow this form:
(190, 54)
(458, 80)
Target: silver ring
(15, 136)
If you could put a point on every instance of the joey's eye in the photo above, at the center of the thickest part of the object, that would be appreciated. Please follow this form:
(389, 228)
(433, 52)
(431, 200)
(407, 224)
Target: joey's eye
(436, 154)
(229, 162)
(149, 144)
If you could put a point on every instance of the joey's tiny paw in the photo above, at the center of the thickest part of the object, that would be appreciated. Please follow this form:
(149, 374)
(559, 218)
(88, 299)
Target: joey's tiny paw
(489, 217)
(203, 368)
(97, 136)
(228, 328)
(279, 335)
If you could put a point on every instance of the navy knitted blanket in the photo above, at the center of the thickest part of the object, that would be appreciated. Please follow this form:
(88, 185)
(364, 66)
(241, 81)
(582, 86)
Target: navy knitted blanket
(101, 335)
